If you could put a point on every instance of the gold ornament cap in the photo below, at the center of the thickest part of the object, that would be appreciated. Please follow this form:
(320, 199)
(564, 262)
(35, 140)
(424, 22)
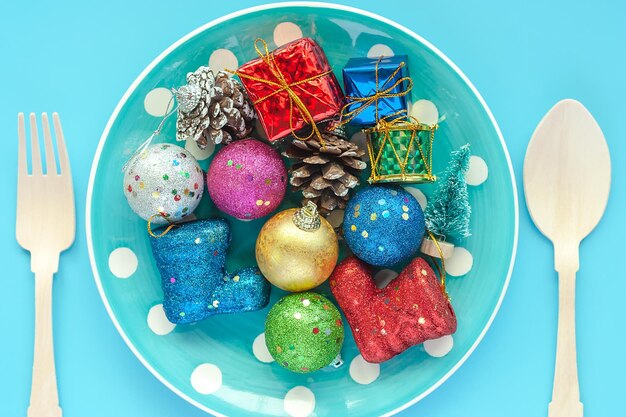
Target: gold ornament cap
(307, 218)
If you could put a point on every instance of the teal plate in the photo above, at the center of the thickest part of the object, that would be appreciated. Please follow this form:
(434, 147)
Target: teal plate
(220, 365)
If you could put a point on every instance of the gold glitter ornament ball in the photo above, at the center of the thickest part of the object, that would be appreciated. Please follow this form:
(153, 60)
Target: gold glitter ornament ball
(297, 249)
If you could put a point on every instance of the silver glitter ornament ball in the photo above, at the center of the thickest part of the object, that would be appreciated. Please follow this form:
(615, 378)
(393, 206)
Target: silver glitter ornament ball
(163, 179)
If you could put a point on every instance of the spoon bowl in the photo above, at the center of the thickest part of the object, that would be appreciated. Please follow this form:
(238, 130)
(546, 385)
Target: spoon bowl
(567, 173)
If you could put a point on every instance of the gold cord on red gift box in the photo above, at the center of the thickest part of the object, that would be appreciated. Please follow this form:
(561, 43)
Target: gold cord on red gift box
(163, 233)
(282, 85)
(364, 102)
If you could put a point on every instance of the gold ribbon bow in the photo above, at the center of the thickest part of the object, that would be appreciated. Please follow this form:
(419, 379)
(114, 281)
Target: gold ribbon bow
(281, 85)
(380, 93)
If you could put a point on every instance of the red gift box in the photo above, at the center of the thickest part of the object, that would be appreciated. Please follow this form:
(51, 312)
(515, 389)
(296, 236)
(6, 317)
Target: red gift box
(291, 87)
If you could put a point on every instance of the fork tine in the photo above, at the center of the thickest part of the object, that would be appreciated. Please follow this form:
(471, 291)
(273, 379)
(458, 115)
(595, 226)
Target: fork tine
(51, 166)
(62, 150)
(34, 151)
(22, 165)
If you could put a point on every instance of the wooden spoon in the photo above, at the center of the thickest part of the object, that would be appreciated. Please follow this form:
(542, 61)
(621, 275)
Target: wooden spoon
(567, 176)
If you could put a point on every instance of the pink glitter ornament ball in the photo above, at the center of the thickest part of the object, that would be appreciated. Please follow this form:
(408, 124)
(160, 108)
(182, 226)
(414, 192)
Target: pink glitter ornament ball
(247, 179)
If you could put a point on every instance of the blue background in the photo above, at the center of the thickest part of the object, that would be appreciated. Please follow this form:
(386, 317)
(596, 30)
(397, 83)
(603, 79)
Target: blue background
(78, 58)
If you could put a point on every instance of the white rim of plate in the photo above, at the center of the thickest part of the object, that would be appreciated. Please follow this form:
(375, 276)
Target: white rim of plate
(249, 10)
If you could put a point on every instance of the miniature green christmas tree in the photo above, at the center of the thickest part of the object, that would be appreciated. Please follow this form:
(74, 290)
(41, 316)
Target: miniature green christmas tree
(448, 212)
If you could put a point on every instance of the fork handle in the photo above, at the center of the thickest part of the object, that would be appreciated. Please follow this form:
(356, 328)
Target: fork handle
(565, 392)
(44, 398)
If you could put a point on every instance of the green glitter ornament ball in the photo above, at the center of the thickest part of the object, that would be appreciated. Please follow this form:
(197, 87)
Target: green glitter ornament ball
(304, 332)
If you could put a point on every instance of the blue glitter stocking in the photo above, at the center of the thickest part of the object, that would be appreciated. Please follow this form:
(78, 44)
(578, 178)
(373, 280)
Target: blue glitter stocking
(191, 259)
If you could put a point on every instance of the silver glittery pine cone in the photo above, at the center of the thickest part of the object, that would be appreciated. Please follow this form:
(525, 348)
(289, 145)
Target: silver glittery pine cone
(213, 108)
(325, 174)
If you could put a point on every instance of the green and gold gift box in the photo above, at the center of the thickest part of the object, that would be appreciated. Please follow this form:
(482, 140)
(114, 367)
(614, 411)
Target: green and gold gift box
(401, 151)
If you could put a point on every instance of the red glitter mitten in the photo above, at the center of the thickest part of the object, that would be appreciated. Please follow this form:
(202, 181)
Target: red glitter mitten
(387, 321)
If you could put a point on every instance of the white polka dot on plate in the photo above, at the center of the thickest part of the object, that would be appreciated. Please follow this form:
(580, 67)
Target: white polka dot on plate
(158, 322)
(200, 154)
(335, 218)
(425, 111)
(123, 262)
(206, 378)
(222, 59)
(378, 50)
(158, 102)
(439, 347)
(259, 348)
(460, 263)
(299, 402)
(363, 372)
(359, 140)
(384, 277)
(419, 196)
(478, 171)
(286, 32)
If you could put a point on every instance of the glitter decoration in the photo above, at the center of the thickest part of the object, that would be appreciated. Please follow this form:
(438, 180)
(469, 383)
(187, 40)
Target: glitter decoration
(237, 179)
(394, 222)
(296, 252)
(293, 332)
(385, 322)
(194, 281)
(153, 179)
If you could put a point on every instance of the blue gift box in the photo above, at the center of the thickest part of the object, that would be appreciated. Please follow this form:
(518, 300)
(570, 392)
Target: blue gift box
(359, 78)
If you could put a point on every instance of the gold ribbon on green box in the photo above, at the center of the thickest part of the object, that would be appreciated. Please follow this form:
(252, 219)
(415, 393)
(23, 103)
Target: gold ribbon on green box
(400, 150)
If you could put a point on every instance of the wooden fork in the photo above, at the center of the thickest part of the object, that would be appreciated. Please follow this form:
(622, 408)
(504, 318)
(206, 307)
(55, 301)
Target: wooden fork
(45, 226)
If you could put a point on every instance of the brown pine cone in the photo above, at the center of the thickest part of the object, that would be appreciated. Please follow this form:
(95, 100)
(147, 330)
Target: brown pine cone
(326, 173)
(213, 108)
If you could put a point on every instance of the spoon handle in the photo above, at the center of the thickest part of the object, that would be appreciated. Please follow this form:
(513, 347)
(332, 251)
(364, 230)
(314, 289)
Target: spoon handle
(565, 392)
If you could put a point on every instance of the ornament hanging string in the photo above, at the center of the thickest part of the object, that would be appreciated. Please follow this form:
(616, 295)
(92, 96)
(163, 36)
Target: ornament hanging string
(395, 122)
(441, 269)
(282, 85)
(157, 132)
(361, 103)
(163, 233)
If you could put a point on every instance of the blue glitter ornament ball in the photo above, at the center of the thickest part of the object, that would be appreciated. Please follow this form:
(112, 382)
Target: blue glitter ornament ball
(383, 225)
(191, 259)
